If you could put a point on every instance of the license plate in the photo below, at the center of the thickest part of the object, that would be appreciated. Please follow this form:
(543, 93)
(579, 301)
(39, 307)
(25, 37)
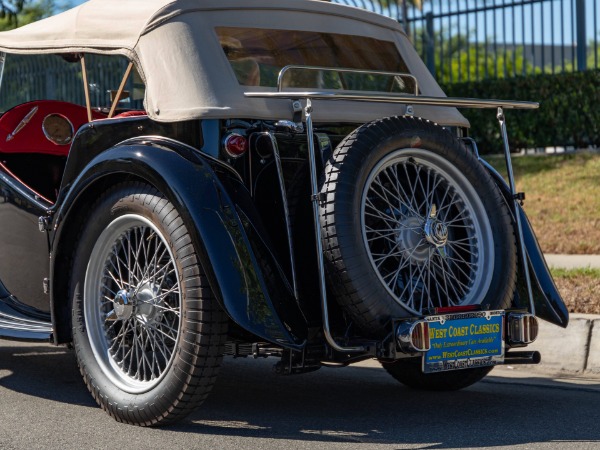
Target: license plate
(464, 341)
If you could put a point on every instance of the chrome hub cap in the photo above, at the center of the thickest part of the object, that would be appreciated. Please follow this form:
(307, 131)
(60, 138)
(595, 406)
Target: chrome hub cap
(436, 231)
(409, 236)
(123, 305)
(148, 304)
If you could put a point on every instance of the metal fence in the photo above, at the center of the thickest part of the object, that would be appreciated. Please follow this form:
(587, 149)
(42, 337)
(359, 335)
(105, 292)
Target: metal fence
(51, 77)
(464, 40)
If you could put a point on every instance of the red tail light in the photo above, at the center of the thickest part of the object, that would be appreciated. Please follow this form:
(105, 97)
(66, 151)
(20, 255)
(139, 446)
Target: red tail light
(456, 309)
(235, 145)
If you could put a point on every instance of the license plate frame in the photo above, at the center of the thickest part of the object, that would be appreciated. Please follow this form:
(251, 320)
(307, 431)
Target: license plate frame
(464, 340)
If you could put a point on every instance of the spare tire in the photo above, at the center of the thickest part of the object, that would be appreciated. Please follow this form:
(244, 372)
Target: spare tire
(411, 221)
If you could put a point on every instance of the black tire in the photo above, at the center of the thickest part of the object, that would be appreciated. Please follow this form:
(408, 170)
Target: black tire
(409, 373)
(147, 331)
(411, 220)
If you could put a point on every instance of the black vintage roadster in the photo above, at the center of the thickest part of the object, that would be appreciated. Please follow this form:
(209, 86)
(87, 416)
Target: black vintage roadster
(266, 179)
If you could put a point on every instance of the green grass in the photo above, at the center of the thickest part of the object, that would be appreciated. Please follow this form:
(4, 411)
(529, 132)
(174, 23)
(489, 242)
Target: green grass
(562, 198)
(576, 273)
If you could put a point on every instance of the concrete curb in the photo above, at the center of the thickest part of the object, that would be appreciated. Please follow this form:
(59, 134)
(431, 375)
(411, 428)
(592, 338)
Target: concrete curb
(574, 350)
(573, 261)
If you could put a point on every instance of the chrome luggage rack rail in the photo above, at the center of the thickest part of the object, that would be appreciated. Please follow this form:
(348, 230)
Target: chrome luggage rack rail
(388, 97)
(377, 96)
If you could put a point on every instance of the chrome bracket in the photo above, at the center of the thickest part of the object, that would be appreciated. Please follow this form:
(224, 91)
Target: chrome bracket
(297, 108)
(44, 223)
(517, 198)
(315, 196)
(410, 110)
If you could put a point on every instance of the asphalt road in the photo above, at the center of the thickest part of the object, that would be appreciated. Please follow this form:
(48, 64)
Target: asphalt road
(44, 404)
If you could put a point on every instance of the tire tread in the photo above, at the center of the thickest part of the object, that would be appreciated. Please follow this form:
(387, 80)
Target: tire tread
(202, 340)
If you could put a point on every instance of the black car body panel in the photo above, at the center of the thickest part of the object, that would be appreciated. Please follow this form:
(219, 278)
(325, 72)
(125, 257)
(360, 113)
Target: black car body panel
(21, 240)
(223, 231)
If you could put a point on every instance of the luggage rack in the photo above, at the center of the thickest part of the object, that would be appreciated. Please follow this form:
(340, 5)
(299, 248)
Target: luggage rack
(297, 96)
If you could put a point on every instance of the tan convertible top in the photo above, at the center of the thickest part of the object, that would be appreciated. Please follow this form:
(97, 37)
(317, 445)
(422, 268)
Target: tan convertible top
(187, 75)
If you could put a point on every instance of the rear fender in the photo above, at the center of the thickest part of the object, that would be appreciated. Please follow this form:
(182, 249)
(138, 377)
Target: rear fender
(548, 303)
(222, 233)
(3, 292)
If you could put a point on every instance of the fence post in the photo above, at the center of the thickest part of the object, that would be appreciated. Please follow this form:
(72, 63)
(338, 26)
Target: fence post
(581, 38)
(429, 43)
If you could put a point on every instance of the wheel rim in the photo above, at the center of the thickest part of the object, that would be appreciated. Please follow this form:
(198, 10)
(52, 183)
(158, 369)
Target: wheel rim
(426, 232)
(132, 303)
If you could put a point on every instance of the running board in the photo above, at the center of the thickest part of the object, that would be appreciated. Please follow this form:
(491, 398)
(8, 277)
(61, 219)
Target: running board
(15, 325)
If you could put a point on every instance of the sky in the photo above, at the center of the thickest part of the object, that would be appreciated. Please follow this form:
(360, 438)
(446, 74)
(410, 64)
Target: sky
(533, 21)
(540, 15)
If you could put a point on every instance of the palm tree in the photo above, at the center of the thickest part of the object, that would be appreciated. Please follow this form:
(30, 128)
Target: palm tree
(10, 8)
(418, 4)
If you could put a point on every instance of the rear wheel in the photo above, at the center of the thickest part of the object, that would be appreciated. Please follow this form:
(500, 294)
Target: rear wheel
(148, 332)
(412, 221)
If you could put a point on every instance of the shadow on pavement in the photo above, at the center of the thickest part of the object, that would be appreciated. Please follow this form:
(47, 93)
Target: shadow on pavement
(351, 405)
(43, 371)
(365, 405)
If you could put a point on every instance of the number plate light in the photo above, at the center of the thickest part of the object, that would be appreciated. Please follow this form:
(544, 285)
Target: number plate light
(522, 329)
(413, 337)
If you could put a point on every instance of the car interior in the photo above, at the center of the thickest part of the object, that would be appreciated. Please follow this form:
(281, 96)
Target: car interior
(36, 134)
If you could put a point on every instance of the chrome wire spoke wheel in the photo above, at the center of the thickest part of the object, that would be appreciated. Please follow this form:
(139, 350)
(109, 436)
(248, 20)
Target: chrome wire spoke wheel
(132, 303)
(426, 231)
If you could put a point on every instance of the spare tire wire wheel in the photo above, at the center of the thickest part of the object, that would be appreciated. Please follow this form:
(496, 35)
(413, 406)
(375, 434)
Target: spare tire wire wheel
(426, 231)
(413, 221)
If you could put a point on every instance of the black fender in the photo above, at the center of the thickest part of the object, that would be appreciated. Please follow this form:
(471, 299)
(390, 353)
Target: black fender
(3, 291)
(548, 302)
(234, 257)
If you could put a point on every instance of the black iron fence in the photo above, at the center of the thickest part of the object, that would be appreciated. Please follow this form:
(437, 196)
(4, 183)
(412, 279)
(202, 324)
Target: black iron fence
(467, 40)
(34, 77)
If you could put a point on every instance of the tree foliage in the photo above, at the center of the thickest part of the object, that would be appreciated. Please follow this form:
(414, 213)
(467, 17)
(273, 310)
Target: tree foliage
(457, 60)
(556, 123)
(10, 8)
(16, 13)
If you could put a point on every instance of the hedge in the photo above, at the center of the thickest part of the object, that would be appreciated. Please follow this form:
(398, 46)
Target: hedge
(569, 113)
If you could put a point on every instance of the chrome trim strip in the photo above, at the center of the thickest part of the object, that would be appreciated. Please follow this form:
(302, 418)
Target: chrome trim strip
(8, 321)
(22, 123)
